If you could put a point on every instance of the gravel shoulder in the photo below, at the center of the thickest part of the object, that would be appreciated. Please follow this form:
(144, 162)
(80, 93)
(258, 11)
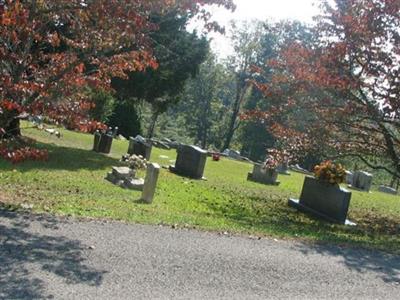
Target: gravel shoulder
(42, 256)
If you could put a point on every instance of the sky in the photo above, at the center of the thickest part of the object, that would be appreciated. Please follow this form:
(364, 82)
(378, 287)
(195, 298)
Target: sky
(274, 10)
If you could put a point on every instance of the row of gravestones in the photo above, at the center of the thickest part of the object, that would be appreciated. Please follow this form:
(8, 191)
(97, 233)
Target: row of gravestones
(363, 181)
(191, 161)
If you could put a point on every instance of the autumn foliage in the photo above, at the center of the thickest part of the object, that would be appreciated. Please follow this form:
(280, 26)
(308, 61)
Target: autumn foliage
(342, 91)
(17, 151)
(51, 51)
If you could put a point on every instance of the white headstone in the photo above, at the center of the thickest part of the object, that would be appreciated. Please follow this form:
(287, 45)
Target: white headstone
(150, 182)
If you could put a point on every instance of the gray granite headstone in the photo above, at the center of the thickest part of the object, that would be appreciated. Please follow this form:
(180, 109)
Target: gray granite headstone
(105, 143)
(349, 177)
(263, 175)
(125, 177)
(123, 172)
(96, 141)
(174, 145)
(387, 190)
(190, 162)
(299, 169)
(136, 184)
(150, 182)
(324, 200)
(160, 144)
(283, 169)
(139, 147)
(362, 181)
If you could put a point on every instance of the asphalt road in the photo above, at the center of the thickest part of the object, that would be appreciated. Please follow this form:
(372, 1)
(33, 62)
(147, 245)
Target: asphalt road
(48, 257)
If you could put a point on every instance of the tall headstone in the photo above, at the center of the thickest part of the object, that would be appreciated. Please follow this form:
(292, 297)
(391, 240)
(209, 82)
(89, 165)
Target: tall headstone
(139, 147)
(96, 141)
(105, 143)
(362, 181)
(190, 162)
(150, 182)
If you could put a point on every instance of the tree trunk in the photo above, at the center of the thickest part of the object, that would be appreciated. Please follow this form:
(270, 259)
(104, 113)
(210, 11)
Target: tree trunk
(393, 181)
(12, 127)
(154, 118)
(204, 137)
(231, 131)
(240, 92)
(205, 123)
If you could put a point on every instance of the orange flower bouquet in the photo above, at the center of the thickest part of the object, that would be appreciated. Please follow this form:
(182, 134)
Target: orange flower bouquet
(330, 172)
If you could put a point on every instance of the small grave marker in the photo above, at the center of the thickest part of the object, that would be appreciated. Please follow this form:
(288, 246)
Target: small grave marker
(150, 182)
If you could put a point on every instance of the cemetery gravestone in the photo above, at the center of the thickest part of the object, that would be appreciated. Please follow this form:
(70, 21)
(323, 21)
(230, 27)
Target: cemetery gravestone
(299, 169)
(139, 147)
(190, 162)
(283, 169)
(174, 145)
(387, 190)
(150, 182)
(160, 144)
(362, 181)
(263, 175)
(232, 154)
(349, 177)
(125, 177)
(96, 141)
(326, 201)
(105, 143)
(102, 142)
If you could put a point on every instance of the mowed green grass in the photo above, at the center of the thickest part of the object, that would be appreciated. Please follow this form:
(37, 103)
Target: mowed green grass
(72, 183)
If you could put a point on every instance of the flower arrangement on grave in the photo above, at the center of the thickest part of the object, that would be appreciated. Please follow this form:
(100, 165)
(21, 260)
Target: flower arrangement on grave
(270, 163)
(273, 159)
(330, 172)
(216, 156)
(135, 162)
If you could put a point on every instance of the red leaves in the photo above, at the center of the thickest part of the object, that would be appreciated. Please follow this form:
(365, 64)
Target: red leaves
(10, 106)
(54, 49)
(90, 127)
(23, 154)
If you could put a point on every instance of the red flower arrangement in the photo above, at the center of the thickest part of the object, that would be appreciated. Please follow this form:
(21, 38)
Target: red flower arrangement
(216, 156)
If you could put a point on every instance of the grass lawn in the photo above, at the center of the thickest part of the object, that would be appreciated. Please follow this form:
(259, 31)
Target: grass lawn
(72, 183)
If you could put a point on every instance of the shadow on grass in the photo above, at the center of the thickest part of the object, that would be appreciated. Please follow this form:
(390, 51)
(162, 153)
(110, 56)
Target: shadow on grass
(270, 214)
(66, 158)
(23, 252)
